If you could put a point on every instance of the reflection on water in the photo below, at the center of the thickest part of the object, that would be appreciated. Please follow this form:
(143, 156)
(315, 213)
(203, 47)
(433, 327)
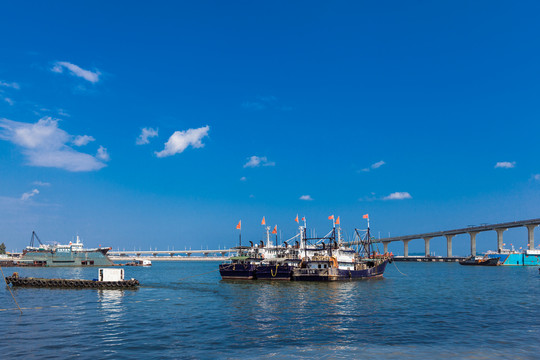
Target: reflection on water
(110, 304)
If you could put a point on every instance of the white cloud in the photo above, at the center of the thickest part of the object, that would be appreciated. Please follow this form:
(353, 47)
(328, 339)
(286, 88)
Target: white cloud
(505, 164)
(12, 85)
(28, 195)
(44, 144)
(306, 197)
(103, 154)
(376, 165)
(146, 133)
(9, 101)
(398, 196)
(59, 66)
(83, 140)
(180, 140)
(243, 178)
(256, 161)
(41, 183)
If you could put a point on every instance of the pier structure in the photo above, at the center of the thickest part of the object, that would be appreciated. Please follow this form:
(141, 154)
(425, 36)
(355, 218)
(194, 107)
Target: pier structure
(471, 230)
(171, 253)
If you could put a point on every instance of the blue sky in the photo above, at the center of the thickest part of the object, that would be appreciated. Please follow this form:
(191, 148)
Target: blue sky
(142, 125)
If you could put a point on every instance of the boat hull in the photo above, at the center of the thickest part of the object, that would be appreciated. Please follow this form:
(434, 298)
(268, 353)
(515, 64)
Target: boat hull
(334, 274)
(518, 259)
(274, 272)
(237, 271)
(480, 262)
(71, 259)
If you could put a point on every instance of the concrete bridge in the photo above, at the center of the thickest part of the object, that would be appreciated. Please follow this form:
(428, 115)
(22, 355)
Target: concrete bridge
(170, 253)
(472, 231)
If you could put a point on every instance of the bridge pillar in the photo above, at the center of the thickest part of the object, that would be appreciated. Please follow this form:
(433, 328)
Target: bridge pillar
(188, 254)
(500, 238)
(473, 242)
(449, 245)
(426, 241)
(385, 244)
(172, 254)
(406, 248)
(531, 235)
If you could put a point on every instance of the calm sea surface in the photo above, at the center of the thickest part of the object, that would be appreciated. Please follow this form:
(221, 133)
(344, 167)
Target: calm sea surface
(435, 310)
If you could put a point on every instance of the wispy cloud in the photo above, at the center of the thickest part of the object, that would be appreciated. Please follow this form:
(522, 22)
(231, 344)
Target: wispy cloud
(505, 164)
(265, 102)
(83, 140)
(256, 161)
(146, 134)
(180, 140)
(44, 144)
(9, 101)
(41, 183)
(374, 166)
(398, 196)
(306, 198)
(536, 177)
(12, 85)
(92, 76)
(28, 195)
(103, 154)
(243, 178)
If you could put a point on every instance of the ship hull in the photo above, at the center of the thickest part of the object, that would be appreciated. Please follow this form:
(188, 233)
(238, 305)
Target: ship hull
(237, 271)
(274, 272)
(520, 259)
(333, 274)
(70, 259)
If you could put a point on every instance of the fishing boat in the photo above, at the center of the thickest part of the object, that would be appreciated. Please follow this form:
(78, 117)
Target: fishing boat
(480, 261)
(278, 261)
(331, 260)
(73, 254)
(241, 266)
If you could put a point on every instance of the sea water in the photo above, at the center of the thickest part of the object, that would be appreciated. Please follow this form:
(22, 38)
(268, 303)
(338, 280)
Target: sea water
(184, 310)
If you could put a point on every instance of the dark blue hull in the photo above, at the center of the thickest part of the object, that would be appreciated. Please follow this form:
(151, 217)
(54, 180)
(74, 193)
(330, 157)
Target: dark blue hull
(333, 274)
(273, 272)
(237, 271)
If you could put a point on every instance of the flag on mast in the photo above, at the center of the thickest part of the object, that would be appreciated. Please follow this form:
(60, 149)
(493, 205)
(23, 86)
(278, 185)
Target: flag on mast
(263, 222)
(331, 217)
(239, 226)
(275, 230)
(303, 218)
(366, 216)
(296, 218)
(337, 221)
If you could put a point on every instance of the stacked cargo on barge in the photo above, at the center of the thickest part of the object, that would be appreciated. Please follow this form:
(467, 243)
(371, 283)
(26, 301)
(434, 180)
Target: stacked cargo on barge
(73, 254)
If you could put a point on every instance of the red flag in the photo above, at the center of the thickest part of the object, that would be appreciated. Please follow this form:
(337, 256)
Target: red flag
(337, 221)
(331, 217)
(275, 230)
(263, 222)
(296, 218)
(304, 218)
(365, 216)
(239, 226)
